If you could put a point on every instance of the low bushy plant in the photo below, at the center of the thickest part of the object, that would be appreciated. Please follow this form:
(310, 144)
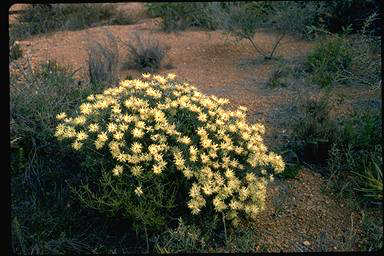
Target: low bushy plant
(358, 151)
(49, 87)
(347, 147)
(157, 149)
(313, 133)
(328, 60)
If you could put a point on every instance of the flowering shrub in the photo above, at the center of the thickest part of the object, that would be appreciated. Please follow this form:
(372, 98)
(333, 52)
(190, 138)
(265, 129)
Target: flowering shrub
(163, 144)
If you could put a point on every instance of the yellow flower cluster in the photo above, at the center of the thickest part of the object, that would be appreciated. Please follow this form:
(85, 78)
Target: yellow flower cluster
(221, 156)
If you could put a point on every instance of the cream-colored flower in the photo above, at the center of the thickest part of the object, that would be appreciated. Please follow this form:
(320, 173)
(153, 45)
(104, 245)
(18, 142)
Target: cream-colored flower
(81, 136)
(61, 116)
(146, 75)
(118, 170)
(138, 191)
(171, 76)
(136, 170)
(77, 145)
(136, 148)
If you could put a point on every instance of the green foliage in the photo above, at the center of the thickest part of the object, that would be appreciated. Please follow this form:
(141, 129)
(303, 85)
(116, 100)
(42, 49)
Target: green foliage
(373, 232)
(328, 60)
(117, 198)
(146, 55)
(183, 239)
(240, 21)
(15, 52)
(349, 147)
(179, 16)
(152, 157)
(284, 74)
(291, 171)
(358, 150)
(36, 96)
(294, 16)
(366, 55)
(241, 240)
(42, 19)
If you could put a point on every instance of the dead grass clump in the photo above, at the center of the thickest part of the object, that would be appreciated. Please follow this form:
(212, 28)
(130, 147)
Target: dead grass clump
(103, 61)
(146, 54)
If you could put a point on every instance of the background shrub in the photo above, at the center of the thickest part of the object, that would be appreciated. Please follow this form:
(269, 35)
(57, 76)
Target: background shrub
(39, 19)
(328, 60)
(313, 133)
(179, 16)
(341, 14)
(348, 148)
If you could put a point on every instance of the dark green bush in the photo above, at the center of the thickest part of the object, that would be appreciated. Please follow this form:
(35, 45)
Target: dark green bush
(15, 52)
(40, 19)
(179, 16)
(314, 132)
(348, 148)
(341, 14)
(328, 61)
(358, 151)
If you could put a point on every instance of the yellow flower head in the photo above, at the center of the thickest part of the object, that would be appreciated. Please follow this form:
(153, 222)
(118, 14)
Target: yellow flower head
(86, 108)
(137, 133)
(102, 137)
(171, 76)
(77, 145)
(136, 170)
(112, 127)
(146, 75)
(138, 191)
(136, 148)
(93, 127)
(81, 136)
(61, 116)
(118, 170)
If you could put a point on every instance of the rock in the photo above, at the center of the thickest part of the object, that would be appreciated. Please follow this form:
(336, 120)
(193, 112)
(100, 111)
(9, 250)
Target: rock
(306, 243)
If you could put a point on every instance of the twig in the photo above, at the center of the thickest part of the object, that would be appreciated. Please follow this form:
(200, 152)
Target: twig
(257, 48)
(225, 229)
(276, 44)
(146, 238)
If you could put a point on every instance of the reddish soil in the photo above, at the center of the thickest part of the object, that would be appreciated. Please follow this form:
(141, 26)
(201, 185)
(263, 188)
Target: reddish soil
(299, 215)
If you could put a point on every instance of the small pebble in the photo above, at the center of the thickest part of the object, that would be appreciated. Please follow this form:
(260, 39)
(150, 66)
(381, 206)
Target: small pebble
(306, 243)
